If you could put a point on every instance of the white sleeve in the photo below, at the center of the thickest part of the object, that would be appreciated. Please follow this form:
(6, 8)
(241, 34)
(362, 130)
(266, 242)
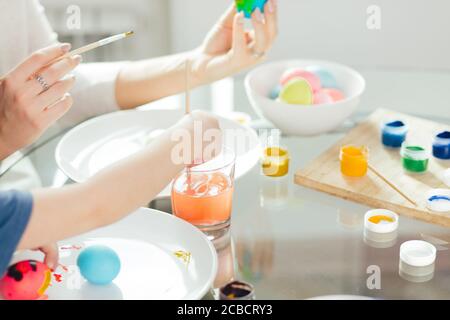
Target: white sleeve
(94, 91)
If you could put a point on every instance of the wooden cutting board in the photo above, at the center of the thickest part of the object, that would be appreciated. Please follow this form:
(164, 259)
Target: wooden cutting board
(323, 173)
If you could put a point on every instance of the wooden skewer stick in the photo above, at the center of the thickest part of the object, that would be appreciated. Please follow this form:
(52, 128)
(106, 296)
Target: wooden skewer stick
(187, 106)
(393, 186)
(187, 89)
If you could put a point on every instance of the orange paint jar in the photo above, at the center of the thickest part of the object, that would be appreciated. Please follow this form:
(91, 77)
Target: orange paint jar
(354, 160)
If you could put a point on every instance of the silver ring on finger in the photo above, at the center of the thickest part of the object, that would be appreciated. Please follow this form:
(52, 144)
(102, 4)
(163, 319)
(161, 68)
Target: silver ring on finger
(42, 82)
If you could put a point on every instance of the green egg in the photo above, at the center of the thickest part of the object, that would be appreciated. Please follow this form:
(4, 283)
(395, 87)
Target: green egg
(297, 91)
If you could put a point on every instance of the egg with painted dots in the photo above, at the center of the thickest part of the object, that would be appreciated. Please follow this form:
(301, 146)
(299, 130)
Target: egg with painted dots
(99, 264)
(25, 280)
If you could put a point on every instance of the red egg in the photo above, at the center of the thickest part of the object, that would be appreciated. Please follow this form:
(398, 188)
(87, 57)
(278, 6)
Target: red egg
(312, 79)
(335, 94)
(25, 280)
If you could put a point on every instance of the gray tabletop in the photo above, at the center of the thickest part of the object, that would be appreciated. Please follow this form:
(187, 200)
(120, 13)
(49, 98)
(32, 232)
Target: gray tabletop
(295, 243)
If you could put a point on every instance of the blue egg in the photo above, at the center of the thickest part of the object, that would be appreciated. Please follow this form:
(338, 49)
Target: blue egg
(327, 79)
(275, 93)
(99, 264)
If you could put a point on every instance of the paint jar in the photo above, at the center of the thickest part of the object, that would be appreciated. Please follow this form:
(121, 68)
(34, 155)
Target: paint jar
(417, 260)
(275, 161)
(393, 133)
(354, 160)
(380, 228)
(441, 145)
(237, 290)
(415, 158)
(381, 221)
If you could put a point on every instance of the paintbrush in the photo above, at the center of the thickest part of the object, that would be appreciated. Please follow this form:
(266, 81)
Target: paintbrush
(95, 45)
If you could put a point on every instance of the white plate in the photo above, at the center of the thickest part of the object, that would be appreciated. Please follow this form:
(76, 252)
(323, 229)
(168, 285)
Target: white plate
(102, 141)
(145, 242)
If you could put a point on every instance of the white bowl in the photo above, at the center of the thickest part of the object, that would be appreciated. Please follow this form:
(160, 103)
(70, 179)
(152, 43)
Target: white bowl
(300, 119)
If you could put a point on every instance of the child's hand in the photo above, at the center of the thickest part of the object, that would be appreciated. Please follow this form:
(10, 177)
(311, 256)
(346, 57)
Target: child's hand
(202, 140)
(51, 255)
(229, 49)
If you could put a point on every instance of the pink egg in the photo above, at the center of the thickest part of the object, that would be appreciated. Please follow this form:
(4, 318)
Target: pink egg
(25, 280)
(335, 94)
(321, 97)
(312, 79)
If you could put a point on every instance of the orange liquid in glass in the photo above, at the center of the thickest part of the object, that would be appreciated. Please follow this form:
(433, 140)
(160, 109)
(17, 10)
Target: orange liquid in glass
(203, 199)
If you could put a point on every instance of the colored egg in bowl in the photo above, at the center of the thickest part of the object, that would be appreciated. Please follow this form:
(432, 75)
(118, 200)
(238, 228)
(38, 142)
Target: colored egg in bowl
(304, 97)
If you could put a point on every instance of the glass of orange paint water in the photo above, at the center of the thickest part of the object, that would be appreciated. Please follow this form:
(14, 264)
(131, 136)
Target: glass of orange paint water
(202, 195)
(354, 160)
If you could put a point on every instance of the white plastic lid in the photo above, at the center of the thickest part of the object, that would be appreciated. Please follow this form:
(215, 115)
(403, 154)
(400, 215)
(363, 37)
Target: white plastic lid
(441, 204)
(382, 226)
(418, 253)
(447, 177)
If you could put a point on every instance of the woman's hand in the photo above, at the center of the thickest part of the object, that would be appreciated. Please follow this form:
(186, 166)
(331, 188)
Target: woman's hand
(33, 96)
(229, 48)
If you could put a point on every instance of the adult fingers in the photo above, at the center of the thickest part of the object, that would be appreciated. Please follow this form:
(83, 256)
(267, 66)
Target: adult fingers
(261, 40)
(239, 37)
(52, 74)
(227, 18)
(38, 60)
(51, 255)
(57, 110)
(55, 93)
(271, 15)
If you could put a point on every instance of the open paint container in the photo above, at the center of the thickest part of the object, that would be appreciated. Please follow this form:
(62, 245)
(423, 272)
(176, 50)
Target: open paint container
(381, 221)
(237, 290)
(441, 145)
(380, 228)
(393, 133)
(354, 160)
(438, 200)
(275, 161)
(415, 157)
(417, 260)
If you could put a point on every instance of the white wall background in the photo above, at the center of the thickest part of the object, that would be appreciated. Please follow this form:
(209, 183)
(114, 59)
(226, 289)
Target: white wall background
(406, 63)
(414, 33)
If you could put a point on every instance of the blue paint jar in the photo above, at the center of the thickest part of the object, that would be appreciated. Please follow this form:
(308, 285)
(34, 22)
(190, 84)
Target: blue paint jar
(441, 145)
(393, 133)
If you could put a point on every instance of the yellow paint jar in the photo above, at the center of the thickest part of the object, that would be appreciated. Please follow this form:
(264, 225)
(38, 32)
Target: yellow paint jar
(275, 162)
(354, 160)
